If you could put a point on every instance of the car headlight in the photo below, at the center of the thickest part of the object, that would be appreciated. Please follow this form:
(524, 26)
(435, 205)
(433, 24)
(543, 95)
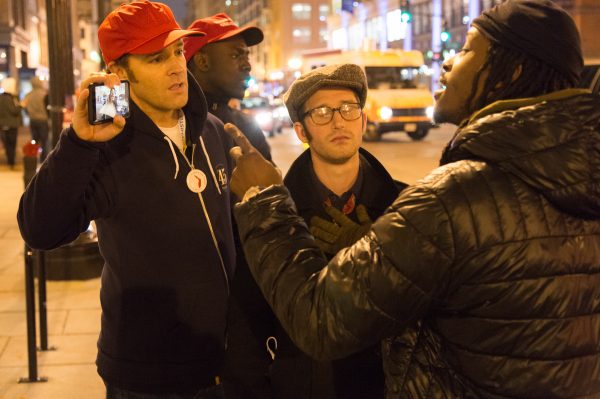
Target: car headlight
(263, 118)
(429, 112)
(385, 113)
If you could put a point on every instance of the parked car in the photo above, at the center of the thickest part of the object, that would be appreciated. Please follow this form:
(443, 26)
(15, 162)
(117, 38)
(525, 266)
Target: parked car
(264, 114)
(280, 112)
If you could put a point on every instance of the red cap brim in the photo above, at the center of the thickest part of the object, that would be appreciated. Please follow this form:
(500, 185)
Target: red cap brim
(251, 34)
(163, 40)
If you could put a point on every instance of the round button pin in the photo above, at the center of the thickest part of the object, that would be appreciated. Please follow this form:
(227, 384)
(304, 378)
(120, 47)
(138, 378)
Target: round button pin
(196, 180)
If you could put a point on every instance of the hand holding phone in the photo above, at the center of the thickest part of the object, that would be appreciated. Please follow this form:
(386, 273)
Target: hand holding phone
(82, 126)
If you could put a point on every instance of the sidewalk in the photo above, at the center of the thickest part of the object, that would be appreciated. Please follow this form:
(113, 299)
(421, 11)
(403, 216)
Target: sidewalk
(73, 314)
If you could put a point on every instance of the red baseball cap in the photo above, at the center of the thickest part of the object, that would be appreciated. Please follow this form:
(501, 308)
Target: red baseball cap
(140, 27)
(216, 28)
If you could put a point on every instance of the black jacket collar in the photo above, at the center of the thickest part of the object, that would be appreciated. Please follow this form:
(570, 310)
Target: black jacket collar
(378, 191)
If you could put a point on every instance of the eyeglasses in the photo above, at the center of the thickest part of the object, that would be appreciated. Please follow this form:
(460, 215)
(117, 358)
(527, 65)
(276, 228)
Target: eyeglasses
(323, 115)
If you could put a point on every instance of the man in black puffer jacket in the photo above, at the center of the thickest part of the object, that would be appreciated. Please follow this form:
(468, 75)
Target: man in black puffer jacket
(495, 254)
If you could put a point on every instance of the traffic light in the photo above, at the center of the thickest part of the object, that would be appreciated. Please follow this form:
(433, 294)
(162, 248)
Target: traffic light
(405, 14)
(445, 35)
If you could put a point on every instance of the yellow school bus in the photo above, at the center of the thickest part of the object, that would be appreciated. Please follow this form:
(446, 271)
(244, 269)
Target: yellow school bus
(398, 99)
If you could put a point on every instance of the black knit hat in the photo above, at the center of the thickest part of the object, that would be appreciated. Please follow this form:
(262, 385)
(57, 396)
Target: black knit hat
(537, 28)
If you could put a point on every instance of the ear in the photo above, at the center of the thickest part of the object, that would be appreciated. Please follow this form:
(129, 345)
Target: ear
(300, 133)
(117, 69)
(202, 61)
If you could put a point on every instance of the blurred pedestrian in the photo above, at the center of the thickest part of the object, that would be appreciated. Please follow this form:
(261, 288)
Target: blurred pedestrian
(36, 103)
(494, 255)
(220, 63)
(10, 118)
(156, 184)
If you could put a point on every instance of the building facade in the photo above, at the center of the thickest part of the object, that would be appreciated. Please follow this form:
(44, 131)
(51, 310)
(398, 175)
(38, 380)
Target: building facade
(23, 38)
(24, 43)
(435, 27)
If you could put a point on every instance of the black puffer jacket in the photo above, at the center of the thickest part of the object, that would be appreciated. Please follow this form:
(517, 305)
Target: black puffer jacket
(495, 254)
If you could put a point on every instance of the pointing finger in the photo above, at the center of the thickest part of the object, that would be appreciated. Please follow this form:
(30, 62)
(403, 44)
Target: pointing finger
(238, 137)
(235, 153)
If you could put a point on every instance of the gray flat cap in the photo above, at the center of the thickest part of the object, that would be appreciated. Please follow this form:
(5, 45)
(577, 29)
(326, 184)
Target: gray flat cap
(345, 75)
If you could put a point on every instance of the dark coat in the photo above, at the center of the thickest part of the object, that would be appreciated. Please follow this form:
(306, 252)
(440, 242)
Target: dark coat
(168, 251)
(294, 375)
(10, 112)
(249, 317)
(495, 255)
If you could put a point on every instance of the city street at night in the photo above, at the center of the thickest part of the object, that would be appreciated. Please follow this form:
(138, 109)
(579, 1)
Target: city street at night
(146, 253)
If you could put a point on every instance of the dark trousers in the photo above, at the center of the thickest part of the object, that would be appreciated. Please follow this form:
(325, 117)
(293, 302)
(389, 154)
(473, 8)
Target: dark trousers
(215, 392)
(9, 140)
(39, 133)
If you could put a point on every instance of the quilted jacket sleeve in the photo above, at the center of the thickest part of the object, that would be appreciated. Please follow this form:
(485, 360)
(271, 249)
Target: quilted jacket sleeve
(385, 281)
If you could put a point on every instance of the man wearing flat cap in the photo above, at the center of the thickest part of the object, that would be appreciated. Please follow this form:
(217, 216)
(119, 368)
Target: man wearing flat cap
(494, 255)
(338, 188)
(156, 185)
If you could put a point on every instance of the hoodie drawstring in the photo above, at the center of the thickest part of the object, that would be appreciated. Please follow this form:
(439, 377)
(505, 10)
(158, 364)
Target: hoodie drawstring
(174, 156)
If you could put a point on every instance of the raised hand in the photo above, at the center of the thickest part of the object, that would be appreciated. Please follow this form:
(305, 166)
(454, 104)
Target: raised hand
(342, 232)
(251, 169)
(81, 125)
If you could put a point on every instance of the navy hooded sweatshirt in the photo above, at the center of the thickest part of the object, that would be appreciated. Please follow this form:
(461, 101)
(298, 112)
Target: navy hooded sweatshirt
(168, 251)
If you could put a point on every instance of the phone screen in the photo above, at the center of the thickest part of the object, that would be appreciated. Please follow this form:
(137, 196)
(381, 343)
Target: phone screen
(104, 103)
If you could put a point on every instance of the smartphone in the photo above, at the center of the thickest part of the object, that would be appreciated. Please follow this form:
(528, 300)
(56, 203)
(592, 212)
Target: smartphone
(104, 103)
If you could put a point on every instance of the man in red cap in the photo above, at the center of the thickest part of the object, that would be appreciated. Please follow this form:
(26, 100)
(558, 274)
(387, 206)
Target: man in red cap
(157, 186)
(219, 61)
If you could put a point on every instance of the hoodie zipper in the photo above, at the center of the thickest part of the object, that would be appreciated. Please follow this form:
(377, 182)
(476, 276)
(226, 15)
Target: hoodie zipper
(212, 232)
